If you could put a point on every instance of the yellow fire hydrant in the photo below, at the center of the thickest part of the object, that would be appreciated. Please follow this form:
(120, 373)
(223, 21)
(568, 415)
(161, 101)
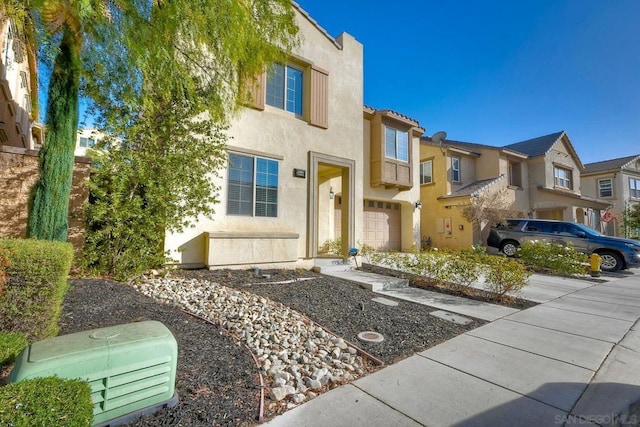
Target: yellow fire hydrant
(594, 264)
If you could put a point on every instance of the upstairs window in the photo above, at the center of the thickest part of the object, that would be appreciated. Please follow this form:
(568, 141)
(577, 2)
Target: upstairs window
(515, 174)
(87, 142)
(634, 188)
(396, 144)
(455, 169)
(426, 172)
(605, 188)
(284, 88)
(562, 177)
(253, 186)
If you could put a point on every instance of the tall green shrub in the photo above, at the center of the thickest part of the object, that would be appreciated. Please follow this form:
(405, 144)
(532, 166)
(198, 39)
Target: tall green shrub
(36, 286)
(48, 215)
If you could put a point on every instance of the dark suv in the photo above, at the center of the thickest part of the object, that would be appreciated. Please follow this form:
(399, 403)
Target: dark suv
(616, 252)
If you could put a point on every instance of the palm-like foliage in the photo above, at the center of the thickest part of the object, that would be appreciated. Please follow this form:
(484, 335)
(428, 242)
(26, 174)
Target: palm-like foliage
(143, 58)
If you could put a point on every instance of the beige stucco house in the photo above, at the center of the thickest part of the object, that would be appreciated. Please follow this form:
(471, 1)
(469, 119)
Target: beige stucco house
(307, 164)
(618, 182)
(540, 178)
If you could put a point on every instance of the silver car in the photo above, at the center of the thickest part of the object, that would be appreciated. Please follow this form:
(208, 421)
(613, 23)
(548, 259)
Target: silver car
(616, 253)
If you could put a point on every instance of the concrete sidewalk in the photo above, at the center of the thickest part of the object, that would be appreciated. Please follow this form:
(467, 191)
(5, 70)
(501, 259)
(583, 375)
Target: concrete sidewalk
(572, 360)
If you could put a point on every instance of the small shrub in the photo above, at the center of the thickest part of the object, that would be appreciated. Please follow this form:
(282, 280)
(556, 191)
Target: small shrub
(48, 401)
(462, 268)
(558, 259)
(11, 344)
(505, 275)
(37, 283)
(332, 247)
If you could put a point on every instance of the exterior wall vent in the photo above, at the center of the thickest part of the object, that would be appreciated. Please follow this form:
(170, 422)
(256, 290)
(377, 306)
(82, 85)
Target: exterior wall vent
(131, 368)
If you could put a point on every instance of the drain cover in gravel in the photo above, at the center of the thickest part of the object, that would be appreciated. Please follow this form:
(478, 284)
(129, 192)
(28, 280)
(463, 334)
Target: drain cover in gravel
(385, 301)
(370, 336)
(451, 317)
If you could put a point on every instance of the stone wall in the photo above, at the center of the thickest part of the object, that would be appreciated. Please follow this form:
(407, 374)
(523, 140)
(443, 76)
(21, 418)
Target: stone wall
(18, 174)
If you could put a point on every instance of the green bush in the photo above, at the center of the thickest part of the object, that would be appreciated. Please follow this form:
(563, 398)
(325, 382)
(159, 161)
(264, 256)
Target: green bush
(505, 275)
(552, 257)
(37, 283)
(11, 344)
(459, 269)
(48, 401)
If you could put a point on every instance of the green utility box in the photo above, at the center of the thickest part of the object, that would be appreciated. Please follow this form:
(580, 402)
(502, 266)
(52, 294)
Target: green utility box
(131, 368)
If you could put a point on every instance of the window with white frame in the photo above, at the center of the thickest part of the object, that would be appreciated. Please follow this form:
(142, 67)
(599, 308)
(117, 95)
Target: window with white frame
(87, 142)
(396, 144)
(284, 88)
(562, 177)
(455, 169)
(605, 187)
(634, 188)
(426, 172)
(252, 186)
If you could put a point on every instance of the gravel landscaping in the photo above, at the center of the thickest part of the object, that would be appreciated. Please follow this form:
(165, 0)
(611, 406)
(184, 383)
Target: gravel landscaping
(301, 327)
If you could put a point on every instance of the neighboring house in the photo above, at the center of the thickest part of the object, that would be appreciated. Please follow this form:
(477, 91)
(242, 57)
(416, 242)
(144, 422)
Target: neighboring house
(86, 139)
(540, 177)
(307, 164)
(618, 182)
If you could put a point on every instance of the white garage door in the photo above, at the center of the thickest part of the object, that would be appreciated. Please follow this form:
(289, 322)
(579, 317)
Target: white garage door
(382, 225)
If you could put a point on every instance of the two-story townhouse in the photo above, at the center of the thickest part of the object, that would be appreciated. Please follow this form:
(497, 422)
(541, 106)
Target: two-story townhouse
(297, 162)
(538, 178)
(618, 182)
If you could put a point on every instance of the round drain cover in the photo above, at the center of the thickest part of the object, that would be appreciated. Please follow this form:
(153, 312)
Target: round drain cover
(370, 336)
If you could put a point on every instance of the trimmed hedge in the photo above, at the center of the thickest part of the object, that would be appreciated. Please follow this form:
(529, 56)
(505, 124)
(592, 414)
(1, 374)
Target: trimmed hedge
(47, 401)
(11, 344)
(36, 286)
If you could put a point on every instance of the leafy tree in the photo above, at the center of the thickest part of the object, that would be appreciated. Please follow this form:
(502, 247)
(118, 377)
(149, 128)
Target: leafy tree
(486, 209)
(187, 73)
(147, 59)
(631, 219)
(71, 22)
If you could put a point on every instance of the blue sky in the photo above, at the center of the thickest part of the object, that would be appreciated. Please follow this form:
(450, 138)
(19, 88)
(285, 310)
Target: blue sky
(499, 72)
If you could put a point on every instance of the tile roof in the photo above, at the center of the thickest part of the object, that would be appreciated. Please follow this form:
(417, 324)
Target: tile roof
(609, 165)
(536, 146)
(474, 188)
(391, 113)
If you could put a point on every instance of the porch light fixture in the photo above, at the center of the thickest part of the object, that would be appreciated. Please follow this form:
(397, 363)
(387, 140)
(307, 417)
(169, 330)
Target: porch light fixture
(331, 193)
(418, 204)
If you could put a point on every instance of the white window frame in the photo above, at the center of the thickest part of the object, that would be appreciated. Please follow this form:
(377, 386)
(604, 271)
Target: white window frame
(634, 188)
(291, 94)
(456, 174)
(256, 175)
(398, 147)
(563, 177)
(602, 188)
(423, 175)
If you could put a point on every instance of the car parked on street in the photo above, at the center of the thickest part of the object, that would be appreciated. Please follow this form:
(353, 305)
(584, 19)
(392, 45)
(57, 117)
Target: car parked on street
(617, 253)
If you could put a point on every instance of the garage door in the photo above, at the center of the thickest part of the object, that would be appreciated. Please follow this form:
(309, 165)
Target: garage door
(382, 225)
